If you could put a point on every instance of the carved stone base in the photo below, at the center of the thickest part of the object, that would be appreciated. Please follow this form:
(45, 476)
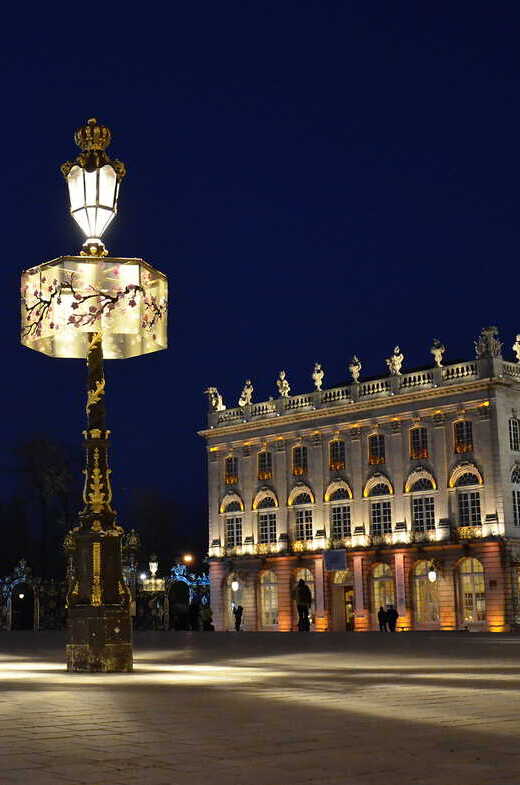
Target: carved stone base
(100, 640)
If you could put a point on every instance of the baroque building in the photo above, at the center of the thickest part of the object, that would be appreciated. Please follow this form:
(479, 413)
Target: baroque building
(400, 490)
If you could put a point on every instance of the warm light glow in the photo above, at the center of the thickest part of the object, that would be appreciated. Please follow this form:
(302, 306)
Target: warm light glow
(143, 576)
(235, 585)
(187, 558)
(66, 299)
(93, 198)
(21, 596)
(432, 575)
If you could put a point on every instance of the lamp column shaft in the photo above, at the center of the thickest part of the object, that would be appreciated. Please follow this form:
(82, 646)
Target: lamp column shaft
(100, 633)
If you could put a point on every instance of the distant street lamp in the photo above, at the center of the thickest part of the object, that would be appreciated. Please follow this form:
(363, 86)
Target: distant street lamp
(153, 565)
(235, 586)
(187, 558)
(96, 307)
(432, 574)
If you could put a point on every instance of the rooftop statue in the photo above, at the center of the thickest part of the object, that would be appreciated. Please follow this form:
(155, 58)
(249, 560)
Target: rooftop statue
(317, 375)
(437, 350)
(355, 368)
(488, 344)
(215, 399)
(283, 385)
(516, 348)
(247, 394)
(395, 362)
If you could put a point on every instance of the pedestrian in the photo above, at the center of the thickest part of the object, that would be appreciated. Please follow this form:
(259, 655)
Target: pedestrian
(303, 603)
(237, 613)
(392, 616)
(383, 620)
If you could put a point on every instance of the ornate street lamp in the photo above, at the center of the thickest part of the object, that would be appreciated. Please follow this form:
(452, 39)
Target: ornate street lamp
(95, 306)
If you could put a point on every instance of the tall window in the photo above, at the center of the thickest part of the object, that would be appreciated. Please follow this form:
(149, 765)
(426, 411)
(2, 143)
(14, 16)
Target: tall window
(418, 443)
(299, 460)
(381, 518)
(304, 524)
(265, 465)
(267, 527)
(269, 599)
(233, 532)
(472, 590)
(382, 586)
(376, 449)
(340, 521)
(231, 471)
(337, 455)
(426, 596)
(463, 431)
(469, 508)
(515, 479)
(423, 513)
(514, 434)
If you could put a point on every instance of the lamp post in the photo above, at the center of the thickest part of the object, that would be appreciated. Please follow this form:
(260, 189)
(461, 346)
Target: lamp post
(94, 306)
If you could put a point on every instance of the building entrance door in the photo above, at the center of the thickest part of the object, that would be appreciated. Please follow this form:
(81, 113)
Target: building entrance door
(348, 601)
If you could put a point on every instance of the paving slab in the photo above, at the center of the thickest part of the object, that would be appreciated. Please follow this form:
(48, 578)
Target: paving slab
(265, 709)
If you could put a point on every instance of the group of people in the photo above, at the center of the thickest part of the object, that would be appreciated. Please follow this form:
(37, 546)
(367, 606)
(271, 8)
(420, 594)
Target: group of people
(387, 618)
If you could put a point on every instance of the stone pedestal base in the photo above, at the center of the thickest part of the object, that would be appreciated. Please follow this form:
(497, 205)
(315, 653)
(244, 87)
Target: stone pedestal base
(100, 640)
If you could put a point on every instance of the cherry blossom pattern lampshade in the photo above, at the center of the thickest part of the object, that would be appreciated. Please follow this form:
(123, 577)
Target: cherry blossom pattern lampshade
(67, 298)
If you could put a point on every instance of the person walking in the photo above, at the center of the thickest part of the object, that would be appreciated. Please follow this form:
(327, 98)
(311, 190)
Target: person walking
(303, 603)
(382, 619)
(237, 613)
(392, 617)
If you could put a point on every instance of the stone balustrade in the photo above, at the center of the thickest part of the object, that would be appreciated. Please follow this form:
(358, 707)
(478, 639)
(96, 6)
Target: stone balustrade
(367, 390)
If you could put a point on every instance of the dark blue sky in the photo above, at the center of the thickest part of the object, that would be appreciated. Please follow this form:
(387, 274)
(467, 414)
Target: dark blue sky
(315, 178)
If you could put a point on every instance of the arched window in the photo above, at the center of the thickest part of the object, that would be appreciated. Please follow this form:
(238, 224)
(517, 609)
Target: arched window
(381, 489)
(268, 599)
(426, 596)
(472, 591)
(338, 495)
(382, 587)
(424, 484)
(336, 455)
(231, 470)
(468, 478)
(302, 498)
(515, 479)
(265, 465)
(233, 506)
(463, 436)
(267, 501)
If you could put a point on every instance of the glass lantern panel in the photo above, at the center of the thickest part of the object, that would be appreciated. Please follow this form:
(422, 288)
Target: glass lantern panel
(107, 186)
(76, 188)
(103, 218)
(81, 218)
(91, 187)
(124, 299)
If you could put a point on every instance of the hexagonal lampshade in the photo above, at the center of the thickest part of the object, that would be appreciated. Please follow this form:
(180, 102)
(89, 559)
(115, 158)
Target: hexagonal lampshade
(67, 298)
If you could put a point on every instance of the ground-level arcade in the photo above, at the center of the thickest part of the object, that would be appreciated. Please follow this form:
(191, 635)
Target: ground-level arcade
(471, 585)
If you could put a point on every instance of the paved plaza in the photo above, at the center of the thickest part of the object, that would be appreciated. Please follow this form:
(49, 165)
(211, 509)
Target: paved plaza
(265, 709)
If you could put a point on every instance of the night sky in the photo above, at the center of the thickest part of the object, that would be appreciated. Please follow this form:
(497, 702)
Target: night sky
(315, 178)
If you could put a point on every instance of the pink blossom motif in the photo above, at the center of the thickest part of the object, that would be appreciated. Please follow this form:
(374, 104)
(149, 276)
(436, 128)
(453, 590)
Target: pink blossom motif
(132, 303)
(77, 296)
(59, 300)
(93, 309)
(72, 320)
(51, 325)
(75, 305)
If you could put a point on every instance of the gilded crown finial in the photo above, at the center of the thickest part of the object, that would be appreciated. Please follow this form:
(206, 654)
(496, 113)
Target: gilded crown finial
(92, 136)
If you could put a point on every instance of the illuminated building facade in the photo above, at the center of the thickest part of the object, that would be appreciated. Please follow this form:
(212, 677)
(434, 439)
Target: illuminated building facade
(400, 490)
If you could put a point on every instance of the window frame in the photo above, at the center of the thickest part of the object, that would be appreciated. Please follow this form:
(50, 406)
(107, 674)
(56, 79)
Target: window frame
(376, 456)
(342, 528)
(463, 442)
(267, 528)
(421, 449)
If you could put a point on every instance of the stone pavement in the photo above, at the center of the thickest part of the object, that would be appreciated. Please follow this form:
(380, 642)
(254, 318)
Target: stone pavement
(265, 709)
